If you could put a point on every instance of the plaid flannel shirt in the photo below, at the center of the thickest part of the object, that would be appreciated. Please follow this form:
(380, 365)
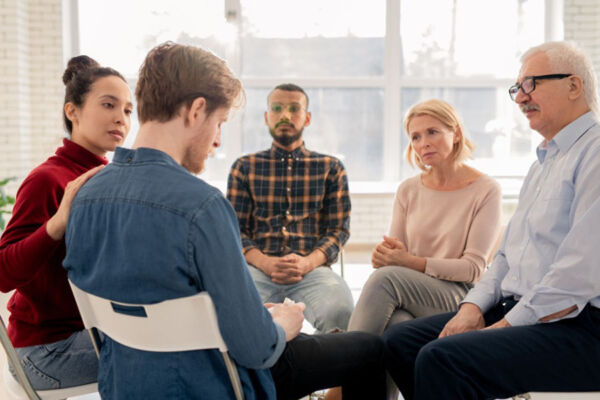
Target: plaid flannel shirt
(291, 202)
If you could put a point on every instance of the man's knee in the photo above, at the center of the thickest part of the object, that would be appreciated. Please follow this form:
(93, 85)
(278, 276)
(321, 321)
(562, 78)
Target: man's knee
(437, 355)
(393, 341)
(334, 314)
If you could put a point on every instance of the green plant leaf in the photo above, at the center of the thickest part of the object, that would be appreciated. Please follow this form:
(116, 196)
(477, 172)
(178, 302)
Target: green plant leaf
(5, 201)
(6, 180)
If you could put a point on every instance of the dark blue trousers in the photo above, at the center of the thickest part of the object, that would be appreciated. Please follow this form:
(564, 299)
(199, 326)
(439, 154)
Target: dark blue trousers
(498, 363)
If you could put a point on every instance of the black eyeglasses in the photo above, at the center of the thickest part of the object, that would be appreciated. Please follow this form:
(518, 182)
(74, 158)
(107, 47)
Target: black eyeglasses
(528, 84)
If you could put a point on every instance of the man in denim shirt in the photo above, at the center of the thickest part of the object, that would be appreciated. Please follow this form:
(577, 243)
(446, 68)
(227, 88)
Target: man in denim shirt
(532, 323)
(147, 230)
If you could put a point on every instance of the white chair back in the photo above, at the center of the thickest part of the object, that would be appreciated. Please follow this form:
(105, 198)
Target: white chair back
(182, 324)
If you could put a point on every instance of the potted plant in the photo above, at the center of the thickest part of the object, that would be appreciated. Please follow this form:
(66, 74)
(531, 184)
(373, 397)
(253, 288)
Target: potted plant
(6, 202)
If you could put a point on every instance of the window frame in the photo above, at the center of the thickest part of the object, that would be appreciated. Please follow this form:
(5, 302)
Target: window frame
(391, 83)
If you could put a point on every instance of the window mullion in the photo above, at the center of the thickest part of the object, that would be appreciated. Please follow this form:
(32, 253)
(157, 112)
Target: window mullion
(392, 119)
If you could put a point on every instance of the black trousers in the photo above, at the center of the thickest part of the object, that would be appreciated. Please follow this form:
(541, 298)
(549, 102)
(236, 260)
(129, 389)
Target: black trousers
(497, 363)
(353, 360)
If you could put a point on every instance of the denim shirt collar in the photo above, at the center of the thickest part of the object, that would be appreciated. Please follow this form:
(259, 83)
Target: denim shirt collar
(566, 137)
(144, 155)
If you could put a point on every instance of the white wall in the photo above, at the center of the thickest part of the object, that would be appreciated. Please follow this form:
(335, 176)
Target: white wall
(582, 25)
(31, 90)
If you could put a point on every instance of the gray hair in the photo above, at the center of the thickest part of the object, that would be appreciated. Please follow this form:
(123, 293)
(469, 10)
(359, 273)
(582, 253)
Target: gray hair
(568, 57)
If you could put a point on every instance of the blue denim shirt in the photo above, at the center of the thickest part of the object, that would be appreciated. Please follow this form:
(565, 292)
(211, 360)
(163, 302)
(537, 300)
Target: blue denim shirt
(145, 230)
(548, 257)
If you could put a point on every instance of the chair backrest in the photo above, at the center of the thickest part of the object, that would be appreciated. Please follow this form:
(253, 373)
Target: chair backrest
(182, 324)
(186, 323)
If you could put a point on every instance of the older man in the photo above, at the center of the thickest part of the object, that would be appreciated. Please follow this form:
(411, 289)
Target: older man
(533, 321)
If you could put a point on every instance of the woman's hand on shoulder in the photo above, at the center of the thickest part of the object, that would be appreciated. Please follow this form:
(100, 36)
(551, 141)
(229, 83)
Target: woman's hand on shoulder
(57, 224)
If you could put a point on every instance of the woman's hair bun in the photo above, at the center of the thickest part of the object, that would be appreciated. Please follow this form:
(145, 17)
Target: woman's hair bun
(76, 65)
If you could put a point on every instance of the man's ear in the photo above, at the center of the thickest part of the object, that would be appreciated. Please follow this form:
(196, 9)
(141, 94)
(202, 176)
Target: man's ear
(575, 87)
(266, 120)
(307, 119)
(197, 111)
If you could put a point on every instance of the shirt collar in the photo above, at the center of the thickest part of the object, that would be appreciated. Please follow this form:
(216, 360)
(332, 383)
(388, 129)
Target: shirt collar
(143, 155)
(567, 136)
(278, 152)
(79, 154)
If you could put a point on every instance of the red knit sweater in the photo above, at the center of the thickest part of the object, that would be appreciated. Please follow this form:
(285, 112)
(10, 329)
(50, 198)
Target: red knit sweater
(42, 309)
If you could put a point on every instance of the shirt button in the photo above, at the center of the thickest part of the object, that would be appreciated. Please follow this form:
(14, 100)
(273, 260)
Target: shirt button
(289, 189)
(283, 229)
(283, 159)
(290, 168)
(287, 212)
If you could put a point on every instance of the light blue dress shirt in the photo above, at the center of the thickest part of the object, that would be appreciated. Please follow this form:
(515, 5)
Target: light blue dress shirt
(549, 256)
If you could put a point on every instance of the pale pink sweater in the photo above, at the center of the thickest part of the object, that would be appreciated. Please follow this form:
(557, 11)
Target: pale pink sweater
(455, 230)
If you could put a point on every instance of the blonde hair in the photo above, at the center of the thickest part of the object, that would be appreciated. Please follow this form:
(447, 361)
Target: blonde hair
(448, 116)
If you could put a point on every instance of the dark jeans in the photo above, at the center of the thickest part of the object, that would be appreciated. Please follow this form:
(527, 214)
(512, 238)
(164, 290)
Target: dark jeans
(498, 363)
(353, 360)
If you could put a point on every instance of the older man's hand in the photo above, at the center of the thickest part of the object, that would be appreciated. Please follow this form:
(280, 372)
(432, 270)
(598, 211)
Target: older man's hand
(468, 318)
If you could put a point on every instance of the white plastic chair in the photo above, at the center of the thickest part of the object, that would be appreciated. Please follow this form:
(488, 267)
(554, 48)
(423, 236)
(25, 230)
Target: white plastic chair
(22, 388)
(187, 323)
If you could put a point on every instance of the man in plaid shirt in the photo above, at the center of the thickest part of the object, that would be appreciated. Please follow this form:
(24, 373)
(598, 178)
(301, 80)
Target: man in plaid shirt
(293, 207)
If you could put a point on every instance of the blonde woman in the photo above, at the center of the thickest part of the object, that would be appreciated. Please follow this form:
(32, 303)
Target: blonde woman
(444, 225)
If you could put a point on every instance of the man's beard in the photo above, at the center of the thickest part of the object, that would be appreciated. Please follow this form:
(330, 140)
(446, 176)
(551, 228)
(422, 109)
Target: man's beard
(284, 139)
(193, 161)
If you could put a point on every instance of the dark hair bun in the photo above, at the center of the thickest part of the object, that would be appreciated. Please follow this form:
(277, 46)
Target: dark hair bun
(76, 65)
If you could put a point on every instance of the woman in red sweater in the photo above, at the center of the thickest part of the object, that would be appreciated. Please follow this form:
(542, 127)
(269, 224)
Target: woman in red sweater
(45, 326)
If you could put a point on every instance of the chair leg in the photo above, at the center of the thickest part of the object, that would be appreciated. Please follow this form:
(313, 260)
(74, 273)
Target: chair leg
(233, 376)
(14, 360)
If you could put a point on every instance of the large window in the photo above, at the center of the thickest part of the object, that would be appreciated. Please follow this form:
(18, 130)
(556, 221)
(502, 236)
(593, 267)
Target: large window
(362, 63)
